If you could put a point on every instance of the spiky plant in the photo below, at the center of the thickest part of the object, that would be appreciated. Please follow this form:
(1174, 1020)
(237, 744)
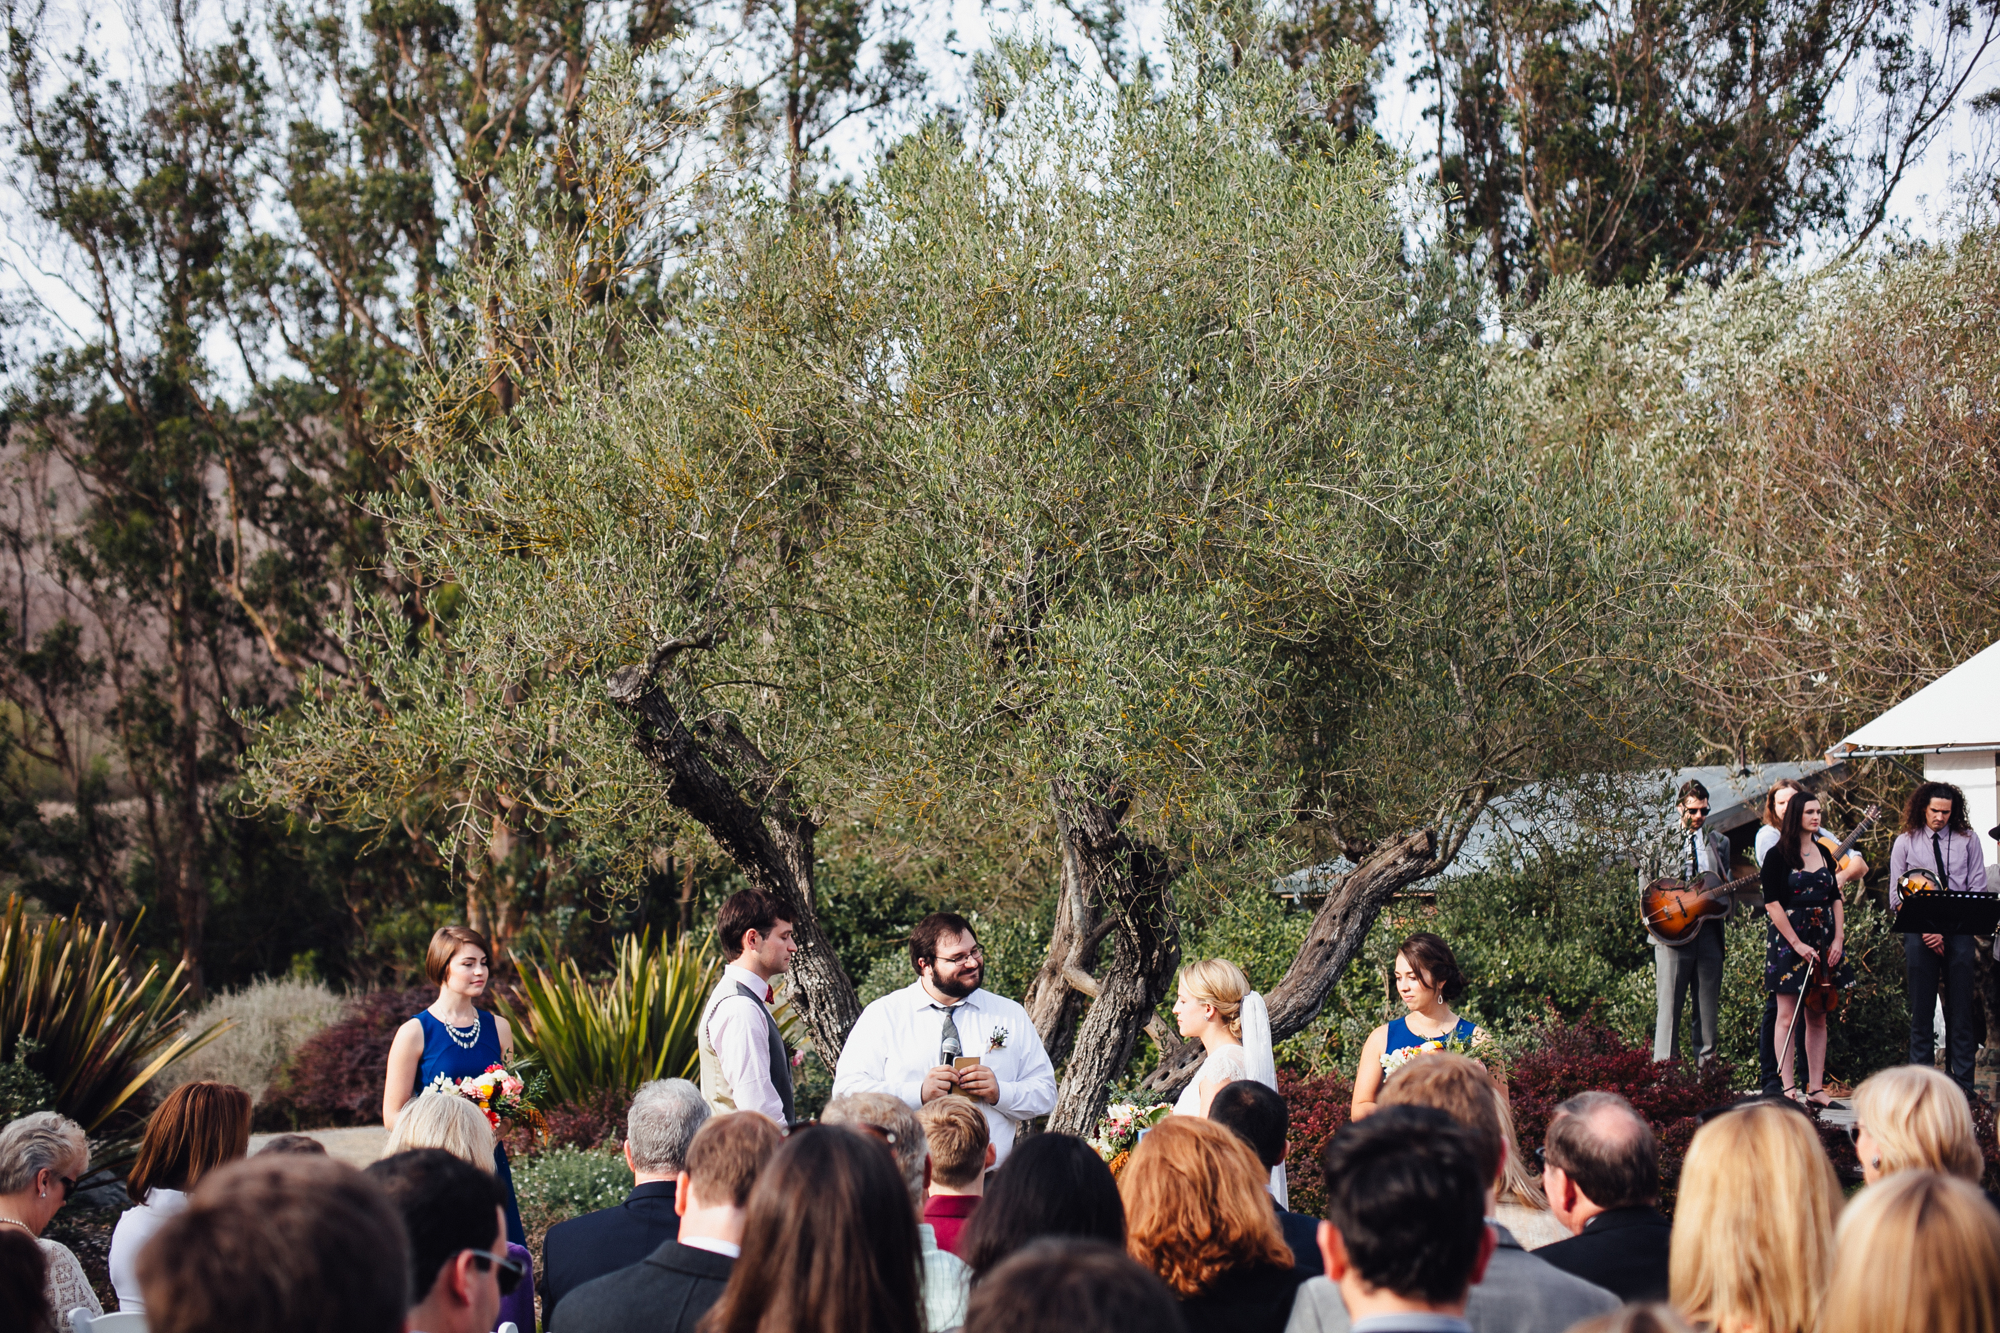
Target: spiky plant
(639, 1024)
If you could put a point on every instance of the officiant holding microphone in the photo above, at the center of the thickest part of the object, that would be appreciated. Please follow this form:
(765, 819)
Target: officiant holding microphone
(943, 1034)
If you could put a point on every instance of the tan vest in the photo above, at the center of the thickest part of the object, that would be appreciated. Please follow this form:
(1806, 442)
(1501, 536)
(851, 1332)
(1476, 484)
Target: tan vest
(715, 1089)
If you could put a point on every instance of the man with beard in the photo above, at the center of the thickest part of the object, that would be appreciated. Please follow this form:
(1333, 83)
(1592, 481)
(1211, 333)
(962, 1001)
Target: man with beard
(943, 1034)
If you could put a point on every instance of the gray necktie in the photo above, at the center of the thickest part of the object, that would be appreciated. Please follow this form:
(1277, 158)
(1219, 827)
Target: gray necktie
(950, 1048)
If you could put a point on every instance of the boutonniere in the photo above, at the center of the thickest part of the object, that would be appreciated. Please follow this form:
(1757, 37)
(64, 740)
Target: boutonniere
(997, 1040)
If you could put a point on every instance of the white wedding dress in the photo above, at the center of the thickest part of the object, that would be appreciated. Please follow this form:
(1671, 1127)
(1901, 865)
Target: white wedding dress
(1229, 1064)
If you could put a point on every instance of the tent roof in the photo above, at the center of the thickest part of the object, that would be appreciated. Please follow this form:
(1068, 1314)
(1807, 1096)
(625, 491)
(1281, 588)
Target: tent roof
(1960, 710)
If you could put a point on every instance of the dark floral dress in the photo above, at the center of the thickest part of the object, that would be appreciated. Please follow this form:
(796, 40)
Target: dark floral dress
(1808, 897)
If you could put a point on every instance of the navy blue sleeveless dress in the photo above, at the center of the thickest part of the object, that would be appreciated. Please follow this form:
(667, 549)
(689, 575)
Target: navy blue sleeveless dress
(1400, 1035)
(444, 1055)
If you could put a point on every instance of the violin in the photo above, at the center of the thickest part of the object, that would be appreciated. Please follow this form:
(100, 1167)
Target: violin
(1819, 994)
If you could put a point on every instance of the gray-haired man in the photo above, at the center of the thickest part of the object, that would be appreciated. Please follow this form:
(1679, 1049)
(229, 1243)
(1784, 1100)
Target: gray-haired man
(662, 1123)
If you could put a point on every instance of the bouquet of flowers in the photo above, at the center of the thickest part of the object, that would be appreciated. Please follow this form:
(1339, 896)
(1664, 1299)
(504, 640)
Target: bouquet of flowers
(1119, 1130)
(1395, 1060)
(500, 1093)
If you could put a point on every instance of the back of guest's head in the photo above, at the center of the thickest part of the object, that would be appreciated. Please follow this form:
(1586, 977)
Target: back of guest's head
(1917, 1252)
(446, 1205)
(1406, 1190)
(829, 1243)
(198, 1127)
(1195, 1205)
(1516, 1180)
(302, 1144)
(284, 1243)
(1077, 1286)
(1919, 1121)
(443, 1120)
(1753, 1222)
(1254, 1113)
(24, 1277)
(895, 1124)
(37, 1142)
(728, 1154)
(665, 1114)
(1462, 1089)
(1649, 1318)
(1052, 1185)
(956, 1131)
(1600, 1141)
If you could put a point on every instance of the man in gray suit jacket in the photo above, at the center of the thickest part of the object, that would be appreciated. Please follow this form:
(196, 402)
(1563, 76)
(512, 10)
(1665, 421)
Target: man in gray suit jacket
(1698, 854)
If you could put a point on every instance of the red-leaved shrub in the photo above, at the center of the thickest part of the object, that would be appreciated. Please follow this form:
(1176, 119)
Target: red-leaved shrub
(599, 1118)
(1318, 1107)
(335, 1077)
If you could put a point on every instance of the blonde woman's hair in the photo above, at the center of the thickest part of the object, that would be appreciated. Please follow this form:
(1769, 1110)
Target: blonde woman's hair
(1221, 984)
(1919, 1121)
(1515, 1181)
(1752, 1244)
(443, 1120)
(1918, 1252)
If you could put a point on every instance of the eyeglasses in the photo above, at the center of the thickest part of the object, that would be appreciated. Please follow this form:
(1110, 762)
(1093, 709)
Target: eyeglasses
(69, 1187)
(508, 1274)
(960, 959)
(1854, 1133)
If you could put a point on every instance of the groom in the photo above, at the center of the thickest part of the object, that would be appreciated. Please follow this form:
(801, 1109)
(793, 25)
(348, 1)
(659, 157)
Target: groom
(943, 1034)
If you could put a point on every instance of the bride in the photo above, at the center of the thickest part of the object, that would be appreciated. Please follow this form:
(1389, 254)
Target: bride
(1216, 1007)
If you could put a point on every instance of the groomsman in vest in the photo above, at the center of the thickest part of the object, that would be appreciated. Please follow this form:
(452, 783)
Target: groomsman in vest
(744, 1064)
(1699, 855)
(1937, 839)
(943, 1034)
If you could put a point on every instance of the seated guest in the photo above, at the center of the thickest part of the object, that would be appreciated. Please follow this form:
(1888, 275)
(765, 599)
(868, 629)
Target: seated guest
(1916, 1253)
(1053, 1187)
(42, 1156)
(1911, 1117)
(961, 1155)
(1753, 1222)
(662, 1122)
(1653, 1318)
(1521, 1292)
(453, 1124)
(282, 1244)
(946, 1276)
(1405, 1235)
(198, 1127)
(454, 1213)
(1258, 1115)
(1198, 1214)
(1601, 1172)
(1522, 1208)
(303, 1144)
(24, 1283)
(1076, 1286)
(673, 1287)
(829, 1243)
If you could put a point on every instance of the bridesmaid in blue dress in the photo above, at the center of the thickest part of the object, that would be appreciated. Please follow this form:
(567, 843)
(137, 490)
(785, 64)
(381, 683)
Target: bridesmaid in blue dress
(1427, 981)
(453, 1037)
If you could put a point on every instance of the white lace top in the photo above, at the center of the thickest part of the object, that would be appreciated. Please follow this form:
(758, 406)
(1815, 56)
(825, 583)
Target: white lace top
(68, 1287)
(1226, 1064)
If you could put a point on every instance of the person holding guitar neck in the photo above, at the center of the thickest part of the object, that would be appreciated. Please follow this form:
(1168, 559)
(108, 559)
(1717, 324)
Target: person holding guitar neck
(1937, 843)
(1701, 856)
(1807, 933)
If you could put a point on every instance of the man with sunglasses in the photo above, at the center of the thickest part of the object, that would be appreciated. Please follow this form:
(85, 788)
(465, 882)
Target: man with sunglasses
(1695, 854)
(943, 1034)
(458, 1239)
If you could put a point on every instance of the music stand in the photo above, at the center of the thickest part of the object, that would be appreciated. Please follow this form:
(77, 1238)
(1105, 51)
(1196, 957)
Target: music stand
(1947, 912)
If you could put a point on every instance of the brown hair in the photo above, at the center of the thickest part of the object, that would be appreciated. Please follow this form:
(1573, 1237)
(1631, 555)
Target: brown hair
(727, 1155)
(1463, 1090)
(1080, 1286)
(745, 910)
(1599, 1140)
(1195, 1205)
(1919, 1121)
(294, 1143)
(957, 1134)
(199, 1127)
(279, 1244)
(1920, 801)
(926, 934)
(1433, 960)
(829, 1245)
(1771, 816)
(1752, 1245)
(24, 1283)
(445, 946)
(1918, 1251)
(1650, 1318)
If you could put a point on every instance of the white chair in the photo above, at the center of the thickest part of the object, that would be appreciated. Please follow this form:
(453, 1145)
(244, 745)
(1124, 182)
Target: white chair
(124, 1321)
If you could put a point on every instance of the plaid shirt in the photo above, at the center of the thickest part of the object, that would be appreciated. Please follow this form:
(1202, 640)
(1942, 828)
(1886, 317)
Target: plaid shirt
(947, 1280)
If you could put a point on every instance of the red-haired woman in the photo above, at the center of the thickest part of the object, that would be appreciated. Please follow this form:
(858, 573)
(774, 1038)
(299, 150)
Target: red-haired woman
(453, 1039)
(199, 1127)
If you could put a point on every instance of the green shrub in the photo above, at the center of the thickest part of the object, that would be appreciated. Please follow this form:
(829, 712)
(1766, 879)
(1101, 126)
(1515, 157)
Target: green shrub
(22, 1090)
(565, 1182)
(594, 1036)
(269, 1019)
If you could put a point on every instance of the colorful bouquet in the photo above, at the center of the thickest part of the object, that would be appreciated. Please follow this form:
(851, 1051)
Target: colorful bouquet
(1119, 1130)
(500, 1093)
(1395, 1060)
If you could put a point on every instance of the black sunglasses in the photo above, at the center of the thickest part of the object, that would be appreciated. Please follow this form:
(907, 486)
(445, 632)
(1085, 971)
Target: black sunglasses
(508, 1274)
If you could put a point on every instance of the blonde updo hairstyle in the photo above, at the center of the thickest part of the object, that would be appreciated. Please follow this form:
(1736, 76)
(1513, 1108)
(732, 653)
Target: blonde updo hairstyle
(1221, 985)
(443, 1120)
(1919, 1121)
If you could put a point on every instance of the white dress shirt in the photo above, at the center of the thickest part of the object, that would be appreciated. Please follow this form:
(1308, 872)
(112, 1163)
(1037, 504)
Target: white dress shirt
(896, 1042)
(135, 1227)
(728, 1249)
(739, 1030)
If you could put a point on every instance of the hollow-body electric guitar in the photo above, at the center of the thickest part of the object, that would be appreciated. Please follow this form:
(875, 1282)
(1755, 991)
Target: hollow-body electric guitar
(1674, 909)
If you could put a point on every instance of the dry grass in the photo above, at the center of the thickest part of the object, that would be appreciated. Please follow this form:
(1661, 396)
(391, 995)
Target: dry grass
(272, 1017)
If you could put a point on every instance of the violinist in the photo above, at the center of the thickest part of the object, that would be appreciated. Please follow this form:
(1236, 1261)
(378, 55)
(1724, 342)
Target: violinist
(1937, 842)
(1805, 942)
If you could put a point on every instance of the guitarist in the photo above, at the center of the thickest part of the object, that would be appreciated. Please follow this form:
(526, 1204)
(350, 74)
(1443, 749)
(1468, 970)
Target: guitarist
(1698, 855)
(1937, 839)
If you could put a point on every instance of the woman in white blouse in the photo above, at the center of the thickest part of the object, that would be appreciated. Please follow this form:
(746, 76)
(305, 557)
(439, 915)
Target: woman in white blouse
(42, 1156)
(199, 1127)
